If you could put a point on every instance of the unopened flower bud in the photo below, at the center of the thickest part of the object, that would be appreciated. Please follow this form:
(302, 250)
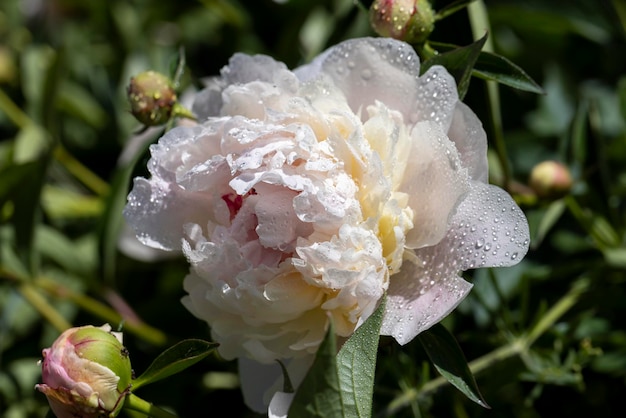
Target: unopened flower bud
(153, 99)
(408, 20)
(86, 373)
(550, 179)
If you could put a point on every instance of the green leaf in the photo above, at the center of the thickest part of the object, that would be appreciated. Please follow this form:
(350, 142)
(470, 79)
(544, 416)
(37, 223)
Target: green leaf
(356, 364)
(615, 257)
(490, 66)
(78, 102)
(341, 385)
(319, 393)
(459, 61)
(21, 184)
(452, 8)
(547, 221)
(494, 67)
(446, 355)
(65, 204)
(175, 359)
(31, 143)
(112, 221)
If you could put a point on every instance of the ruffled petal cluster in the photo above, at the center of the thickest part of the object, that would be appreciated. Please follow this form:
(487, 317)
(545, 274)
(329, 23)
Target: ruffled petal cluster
(303, 196)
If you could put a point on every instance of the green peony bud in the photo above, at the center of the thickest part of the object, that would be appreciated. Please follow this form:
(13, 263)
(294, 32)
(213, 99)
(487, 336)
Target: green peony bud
(550, 179)
(153, 100)
(86, 373)
(407, 20)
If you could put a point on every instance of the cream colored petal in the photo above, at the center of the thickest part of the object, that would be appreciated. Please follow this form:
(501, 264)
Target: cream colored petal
(434, 181)
(470, 139)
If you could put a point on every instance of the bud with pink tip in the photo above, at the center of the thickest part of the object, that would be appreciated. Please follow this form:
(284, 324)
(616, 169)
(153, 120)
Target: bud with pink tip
(86, 373)
(550, 179)
(407, 20)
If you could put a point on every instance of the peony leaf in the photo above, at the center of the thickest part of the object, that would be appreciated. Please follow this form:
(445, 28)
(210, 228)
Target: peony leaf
(175, 359)
(342, 386)
(459, 61)
(446, 355)
(112, 219)
(356, 364)
(319, 393)
(452, 8)
(494, 67)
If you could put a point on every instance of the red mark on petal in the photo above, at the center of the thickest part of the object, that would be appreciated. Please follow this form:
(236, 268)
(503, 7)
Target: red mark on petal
(235, 202)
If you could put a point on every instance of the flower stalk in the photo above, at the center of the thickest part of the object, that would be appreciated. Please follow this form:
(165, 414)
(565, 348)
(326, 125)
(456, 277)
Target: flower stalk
(135, 403)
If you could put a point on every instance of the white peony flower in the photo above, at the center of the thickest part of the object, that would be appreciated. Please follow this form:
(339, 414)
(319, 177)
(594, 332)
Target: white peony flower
(304, 196)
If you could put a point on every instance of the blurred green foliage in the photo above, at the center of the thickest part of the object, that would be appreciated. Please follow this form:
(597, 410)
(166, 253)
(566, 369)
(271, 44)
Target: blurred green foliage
(65, 167)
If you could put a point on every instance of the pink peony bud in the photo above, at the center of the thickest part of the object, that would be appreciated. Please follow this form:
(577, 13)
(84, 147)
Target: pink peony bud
(407, 20)
(86, 373)
(550, 179)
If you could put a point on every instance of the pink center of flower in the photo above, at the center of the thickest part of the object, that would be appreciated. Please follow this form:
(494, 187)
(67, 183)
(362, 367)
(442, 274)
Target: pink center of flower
(235, 202)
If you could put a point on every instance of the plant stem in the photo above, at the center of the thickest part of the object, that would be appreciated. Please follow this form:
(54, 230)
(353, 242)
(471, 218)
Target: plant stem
(101, 310)
(517, 347)
(479, 21)
(36, 299)
(17, 116)
(135, 403)
(82, 173)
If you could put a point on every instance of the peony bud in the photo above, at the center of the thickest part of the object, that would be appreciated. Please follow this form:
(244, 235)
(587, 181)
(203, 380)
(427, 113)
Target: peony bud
(550, 179)
(408, 20)
(153, 99)
(86, 373)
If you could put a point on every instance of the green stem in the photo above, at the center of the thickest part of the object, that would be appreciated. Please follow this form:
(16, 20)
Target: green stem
(102, 311)
(17, 116)
(135, 403)
(479, 21)
(78, 170)
(36, 299)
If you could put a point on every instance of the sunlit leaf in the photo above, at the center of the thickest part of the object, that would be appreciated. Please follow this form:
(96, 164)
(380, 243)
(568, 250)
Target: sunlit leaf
(65, 203)
(356, 364)
(341, 385)
(446, 355)
(30, 144)
(175, 359)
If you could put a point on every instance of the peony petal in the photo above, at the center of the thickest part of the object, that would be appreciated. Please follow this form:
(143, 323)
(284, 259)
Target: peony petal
(435, 181)
(436, 97)
(369, 70)
(470, 139)
(158, 209)
(259, 382)
(242, 69)
(424, 292)
(488, 229)
(279, 405)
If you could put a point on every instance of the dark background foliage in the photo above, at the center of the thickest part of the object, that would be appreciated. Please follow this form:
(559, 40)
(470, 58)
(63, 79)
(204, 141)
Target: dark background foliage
(64, 68)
